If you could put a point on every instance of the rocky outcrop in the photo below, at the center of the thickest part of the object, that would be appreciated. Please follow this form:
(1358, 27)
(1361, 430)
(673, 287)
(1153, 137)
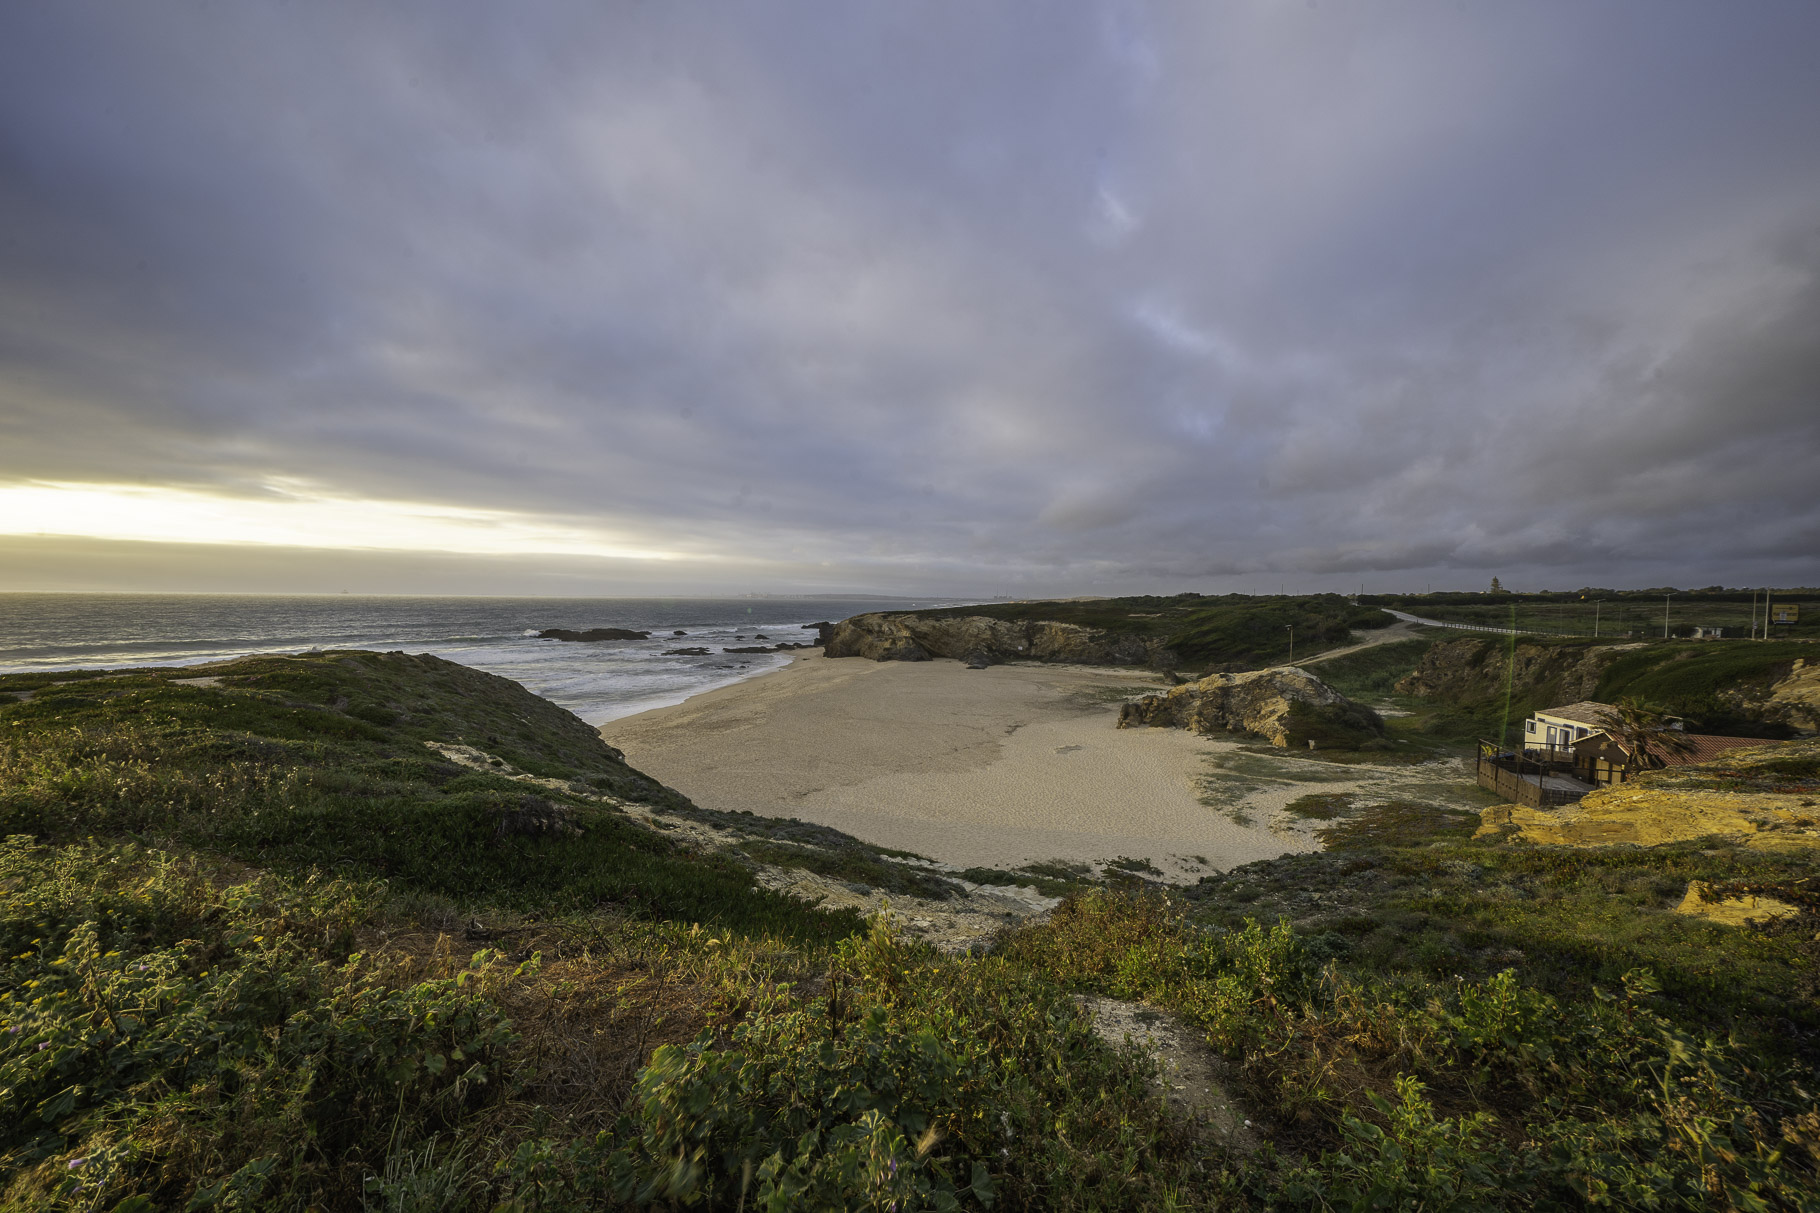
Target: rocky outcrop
(592, 634)
(1793, 699)
(1285, 706)
(977, 639)
(1460, 671)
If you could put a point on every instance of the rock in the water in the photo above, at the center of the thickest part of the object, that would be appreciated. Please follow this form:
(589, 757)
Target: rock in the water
(693, 652)
(592, 634)
(917, 638)
(1286, 706)
(749, 648)
(679, 632)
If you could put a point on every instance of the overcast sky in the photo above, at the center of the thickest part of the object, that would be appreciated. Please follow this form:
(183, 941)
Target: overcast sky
(935, 297)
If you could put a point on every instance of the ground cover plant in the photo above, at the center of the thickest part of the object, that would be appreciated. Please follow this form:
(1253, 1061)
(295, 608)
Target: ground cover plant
(320, 761)
(206, 1004)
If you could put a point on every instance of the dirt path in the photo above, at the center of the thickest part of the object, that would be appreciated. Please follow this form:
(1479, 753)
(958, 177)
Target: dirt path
(1401, 630)
(1189, 1073)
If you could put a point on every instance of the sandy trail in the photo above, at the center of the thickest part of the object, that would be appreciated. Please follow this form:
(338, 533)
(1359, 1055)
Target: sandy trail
(994, 767)
(1400, 630)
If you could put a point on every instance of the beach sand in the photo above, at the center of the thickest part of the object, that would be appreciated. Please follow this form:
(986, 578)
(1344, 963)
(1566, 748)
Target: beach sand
(995, 767)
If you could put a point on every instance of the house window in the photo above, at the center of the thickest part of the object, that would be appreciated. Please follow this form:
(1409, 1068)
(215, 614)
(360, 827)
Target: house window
(1529, 726)
(1579, 732)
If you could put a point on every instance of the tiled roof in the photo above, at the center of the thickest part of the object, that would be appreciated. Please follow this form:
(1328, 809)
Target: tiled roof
(1586, 712)
(1706, 746)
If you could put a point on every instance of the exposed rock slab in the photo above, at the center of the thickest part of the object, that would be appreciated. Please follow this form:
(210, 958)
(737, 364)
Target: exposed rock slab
(1284, 706)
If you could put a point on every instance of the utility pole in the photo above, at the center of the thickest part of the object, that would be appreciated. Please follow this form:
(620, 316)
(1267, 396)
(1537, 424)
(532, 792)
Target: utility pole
(1595, 617)
(1665, 599)
(1291, 628)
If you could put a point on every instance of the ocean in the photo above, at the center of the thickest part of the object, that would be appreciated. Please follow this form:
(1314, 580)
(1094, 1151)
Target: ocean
(598, 681)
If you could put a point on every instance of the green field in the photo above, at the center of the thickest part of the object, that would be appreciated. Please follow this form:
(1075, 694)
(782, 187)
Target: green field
(1616, 615)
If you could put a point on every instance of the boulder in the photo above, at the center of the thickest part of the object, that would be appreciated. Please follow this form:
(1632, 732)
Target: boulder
(1285, 706)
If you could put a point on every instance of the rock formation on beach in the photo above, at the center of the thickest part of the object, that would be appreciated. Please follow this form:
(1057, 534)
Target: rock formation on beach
(976, 639)
(1286, 706)
(592, 634)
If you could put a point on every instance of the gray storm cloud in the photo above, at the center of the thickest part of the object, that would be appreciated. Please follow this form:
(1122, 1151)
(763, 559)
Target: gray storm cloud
(938, 298)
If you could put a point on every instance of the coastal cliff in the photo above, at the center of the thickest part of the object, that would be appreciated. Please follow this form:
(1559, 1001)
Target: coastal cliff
(1286, 706)
(981, 640)
(1462, 670)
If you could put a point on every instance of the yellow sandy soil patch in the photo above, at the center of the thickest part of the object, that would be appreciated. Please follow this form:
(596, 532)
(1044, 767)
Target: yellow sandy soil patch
(1733, 911)
(1649, 817)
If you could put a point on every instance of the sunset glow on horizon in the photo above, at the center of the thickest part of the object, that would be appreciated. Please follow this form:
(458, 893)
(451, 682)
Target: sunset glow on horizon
(292, 516)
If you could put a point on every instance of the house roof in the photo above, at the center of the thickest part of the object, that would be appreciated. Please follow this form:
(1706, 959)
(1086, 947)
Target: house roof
(1705, 747)
(1586, 712)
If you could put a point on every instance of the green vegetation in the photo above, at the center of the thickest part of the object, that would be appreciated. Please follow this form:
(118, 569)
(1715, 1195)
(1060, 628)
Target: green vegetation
(1424, 1087)
(265, 948)
(1373, 672)
(855, 865)
(1234, 632)
(295, 763)
(1320, 806)
(1612, 614)
(1687, 679)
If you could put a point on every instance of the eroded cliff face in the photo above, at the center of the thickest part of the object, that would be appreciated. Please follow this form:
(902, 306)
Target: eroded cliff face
(883, 637)
(1793, 699)
(1285, 706)
(1459, 671)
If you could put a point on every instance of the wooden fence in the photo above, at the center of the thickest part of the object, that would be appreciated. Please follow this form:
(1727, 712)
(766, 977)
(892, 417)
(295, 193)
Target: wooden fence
(1539, 782)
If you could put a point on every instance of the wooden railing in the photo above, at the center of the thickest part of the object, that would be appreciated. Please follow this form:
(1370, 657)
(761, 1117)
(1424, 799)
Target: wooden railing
(1519, 778)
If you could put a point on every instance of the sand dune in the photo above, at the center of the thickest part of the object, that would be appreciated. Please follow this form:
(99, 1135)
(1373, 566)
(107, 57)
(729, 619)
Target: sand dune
(995, 767)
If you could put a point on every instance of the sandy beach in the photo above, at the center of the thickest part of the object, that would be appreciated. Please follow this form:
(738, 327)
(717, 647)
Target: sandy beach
(995, 767)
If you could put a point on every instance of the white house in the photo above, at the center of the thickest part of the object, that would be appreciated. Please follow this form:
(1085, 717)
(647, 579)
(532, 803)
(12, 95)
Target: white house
(1558, 728)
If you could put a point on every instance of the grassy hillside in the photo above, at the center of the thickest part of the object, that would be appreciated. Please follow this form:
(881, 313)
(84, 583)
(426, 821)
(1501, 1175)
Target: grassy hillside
(265, 948)
(319, 763)
(1702, 681)
(1235, 632)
